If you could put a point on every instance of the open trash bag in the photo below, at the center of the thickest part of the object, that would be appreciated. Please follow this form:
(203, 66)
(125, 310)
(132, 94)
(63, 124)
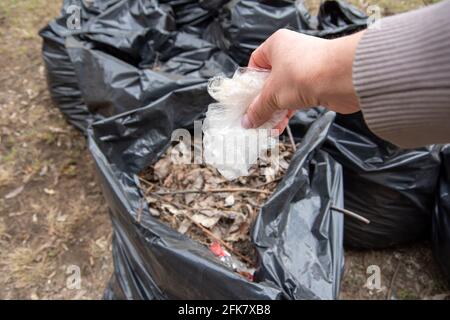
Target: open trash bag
(298, 238)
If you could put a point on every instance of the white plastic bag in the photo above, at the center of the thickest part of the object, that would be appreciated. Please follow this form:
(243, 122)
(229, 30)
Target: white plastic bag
(227, 145)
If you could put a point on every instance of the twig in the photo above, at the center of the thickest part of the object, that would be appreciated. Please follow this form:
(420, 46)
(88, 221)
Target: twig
(206, 231)
(267, 183)
(394, 277)
(145, 181)
(161, 193)
(140, 210)
(148, 183)
(291, 137)
(199, 209)
(351, 214)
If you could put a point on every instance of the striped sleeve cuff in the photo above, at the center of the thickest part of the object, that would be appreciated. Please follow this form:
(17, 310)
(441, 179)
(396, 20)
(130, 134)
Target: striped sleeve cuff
(401, 74)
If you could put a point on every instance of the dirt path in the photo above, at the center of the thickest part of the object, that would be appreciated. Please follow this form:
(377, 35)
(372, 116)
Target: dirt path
(53, 219)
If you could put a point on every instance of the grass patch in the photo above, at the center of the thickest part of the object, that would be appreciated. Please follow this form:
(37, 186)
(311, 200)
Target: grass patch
(26, 267)
(10, 156)
(27, 14)
(6, 175)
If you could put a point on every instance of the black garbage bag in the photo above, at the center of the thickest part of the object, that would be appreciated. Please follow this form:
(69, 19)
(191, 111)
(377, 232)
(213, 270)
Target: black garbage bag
(193, 16)
(103, 67)
(244, 25)
(128, 53)
(297, 237)
(392, 187)
(441, 216)
(114, 86)
(118, 25)
(61, 79)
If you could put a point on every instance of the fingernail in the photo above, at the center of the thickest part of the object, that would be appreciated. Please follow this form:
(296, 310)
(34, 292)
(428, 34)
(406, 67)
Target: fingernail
(245, 122)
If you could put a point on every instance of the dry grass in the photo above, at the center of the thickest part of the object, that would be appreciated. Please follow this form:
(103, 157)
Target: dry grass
(27, 267)
(6, 175)
(58, 224)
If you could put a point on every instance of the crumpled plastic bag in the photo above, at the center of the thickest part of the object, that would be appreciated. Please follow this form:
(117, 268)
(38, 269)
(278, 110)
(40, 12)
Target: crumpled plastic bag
(228, 147)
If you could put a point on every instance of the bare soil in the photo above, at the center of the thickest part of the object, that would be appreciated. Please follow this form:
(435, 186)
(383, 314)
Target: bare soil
(53, 218)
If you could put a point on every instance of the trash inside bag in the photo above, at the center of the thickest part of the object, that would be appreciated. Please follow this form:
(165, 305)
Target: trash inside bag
(227, 145)
(441, 216)
(194, 199)
(295, 234)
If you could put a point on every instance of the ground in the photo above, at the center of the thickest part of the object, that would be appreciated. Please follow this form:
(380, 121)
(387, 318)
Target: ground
(53, 219)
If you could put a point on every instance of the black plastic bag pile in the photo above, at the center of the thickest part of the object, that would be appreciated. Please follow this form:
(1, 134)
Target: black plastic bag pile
(394, 188)
(127, 54)
(136, 70)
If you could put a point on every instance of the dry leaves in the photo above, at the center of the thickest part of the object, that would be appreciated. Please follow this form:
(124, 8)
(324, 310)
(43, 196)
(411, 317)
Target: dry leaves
(14, 193)
(178, 195)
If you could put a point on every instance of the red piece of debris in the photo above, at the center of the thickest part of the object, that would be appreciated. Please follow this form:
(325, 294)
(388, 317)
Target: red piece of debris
(217, 249)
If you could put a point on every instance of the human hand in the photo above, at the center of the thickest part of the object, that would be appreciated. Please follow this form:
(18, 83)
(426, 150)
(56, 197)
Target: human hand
(305, 72)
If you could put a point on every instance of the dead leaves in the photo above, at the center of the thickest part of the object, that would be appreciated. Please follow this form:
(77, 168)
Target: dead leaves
(186, 196)
(49, 191)
(14, 193)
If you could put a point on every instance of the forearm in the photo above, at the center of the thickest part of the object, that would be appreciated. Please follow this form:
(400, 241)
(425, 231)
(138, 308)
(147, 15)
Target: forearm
(401, 74)
(397, 73)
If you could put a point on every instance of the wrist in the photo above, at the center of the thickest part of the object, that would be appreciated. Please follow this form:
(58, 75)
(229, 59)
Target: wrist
(336, 90)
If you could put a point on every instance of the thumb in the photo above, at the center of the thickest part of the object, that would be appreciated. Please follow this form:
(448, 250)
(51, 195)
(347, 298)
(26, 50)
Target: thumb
(261, 109)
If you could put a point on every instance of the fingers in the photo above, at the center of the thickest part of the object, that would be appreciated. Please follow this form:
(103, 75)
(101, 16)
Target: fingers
(255, 117)
(259, 58)
(284, 123)
(261, 109)
(291, 113)
(264, 106)
(277, 92)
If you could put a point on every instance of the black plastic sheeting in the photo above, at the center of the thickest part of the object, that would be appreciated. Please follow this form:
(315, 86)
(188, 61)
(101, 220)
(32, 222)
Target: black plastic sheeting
(441, 217)
(112, 64)
(242, 27)
(298, 238)
(392, 187)
(129, 53)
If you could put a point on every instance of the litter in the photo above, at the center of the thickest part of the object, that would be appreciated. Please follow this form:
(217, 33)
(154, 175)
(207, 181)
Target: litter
(197, 202)
(227, 145)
